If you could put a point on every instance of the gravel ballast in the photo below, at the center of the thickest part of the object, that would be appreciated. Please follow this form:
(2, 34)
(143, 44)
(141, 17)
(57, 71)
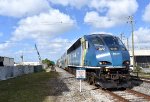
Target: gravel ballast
(66, 89)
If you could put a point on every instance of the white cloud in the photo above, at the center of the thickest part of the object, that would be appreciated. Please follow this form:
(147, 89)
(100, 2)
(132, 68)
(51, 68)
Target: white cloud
(99, 5)
(122, 8)
(43, 26)
(41, 29)
(94, 19)
(146, 16)
(56, 47)
(74, 3)
(57, 44)
(4, 45)
(21, 8)
(142, 35)
(48, 48)
(115, 12)
(141, 38)
(102, 32)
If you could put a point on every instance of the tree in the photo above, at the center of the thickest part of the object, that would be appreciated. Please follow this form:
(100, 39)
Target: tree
(52, 63)
(48, 62)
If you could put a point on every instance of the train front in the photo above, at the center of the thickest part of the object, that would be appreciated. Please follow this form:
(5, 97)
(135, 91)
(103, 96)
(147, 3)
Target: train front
(113, 59)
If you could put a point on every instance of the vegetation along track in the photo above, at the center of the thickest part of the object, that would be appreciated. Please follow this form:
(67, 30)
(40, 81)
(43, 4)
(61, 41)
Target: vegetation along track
(128, 95)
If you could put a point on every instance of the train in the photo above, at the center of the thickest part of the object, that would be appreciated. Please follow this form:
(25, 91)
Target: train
(103, 56)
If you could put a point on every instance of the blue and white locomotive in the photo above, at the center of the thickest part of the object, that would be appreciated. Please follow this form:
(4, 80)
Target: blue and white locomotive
(104, 57)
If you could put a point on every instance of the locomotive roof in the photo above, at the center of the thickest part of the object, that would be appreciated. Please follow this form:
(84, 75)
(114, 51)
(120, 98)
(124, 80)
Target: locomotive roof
(74, 46)
(78, 42)
(101, 35)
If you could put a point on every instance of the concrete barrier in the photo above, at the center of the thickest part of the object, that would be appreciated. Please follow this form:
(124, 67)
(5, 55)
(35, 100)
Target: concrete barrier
(38, 68)
(7, 72)
(28, 70)
(2, 73)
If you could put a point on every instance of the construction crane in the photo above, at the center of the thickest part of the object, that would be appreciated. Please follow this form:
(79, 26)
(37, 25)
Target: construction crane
(38, 54)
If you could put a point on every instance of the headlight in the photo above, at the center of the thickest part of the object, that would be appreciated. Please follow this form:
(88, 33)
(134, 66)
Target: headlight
(126, 62)
(104, 63)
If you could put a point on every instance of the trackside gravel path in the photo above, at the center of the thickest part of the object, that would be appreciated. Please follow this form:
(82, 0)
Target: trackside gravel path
(66, 89)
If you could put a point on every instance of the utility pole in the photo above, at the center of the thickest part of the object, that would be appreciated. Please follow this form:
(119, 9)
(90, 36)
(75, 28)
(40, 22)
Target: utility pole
(22, 57)
(127, 44)
(130, 18)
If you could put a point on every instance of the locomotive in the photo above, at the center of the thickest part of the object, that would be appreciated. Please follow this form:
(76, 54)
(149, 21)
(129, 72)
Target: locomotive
(104, 57)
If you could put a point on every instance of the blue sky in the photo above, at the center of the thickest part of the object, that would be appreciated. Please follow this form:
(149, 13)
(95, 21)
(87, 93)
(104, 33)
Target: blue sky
(55, 24)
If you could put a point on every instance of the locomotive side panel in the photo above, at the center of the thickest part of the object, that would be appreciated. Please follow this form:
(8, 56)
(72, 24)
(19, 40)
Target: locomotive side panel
(74, 57)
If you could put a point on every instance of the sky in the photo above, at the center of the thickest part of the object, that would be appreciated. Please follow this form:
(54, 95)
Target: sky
(54, 25)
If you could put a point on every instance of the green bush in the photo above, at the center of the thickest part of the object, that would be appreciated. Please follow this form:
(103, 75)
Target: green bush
(138, 69)
(48, 62)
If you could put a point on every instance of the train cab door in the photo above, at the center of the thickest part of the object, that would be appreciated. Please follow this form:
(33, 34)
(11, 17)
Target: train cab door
(84, 47)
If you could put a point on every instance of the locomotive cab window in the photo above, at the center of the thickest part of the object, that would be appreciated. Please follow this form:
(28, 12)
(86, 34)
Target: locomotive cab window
(111, 40)
(96, 41)
(120, 42)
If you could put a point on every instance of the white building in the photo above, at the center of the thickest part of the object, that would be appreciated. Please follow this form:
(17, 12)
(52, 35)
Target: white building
(142, 58)
(31, 63)
(6, 61)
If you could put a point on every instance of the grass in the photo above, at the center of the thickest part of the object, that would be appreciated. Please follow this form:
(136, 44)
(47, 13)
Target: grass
(27, 88)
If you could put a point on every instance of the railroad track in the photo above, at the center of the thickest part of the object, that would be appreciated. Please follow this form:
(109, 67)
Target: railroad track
(147, 80)
(129, 95)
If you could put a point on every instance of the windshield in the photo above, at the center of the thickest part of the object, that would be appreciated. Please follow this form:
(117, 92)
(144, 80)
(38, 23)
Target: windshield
(96, 41)
(110, 40)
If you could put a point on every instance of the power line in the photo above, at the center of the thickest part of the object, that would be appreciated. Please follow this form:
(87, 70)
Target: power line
(40, 42)
(49, 23)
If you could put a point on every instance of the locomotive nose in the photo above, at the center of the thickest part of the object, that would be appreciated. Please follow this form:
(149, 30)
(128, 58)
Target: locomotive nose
(116, 58)
(112, 59)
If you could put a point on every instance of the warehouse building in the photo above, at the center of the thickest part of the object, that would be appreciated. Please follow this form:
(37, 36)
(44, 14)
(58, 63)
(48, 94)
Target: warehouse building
(31, 63)
(142, 58)
(6, 61)
(28, 63)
